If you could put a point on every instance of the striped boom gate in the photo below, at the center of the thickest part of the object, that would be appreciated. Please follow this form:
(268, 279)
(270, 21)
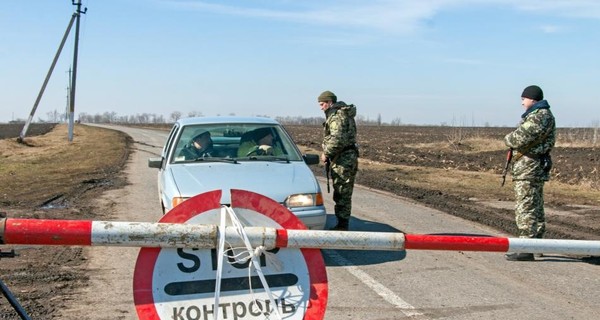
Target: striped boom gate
(174, 235)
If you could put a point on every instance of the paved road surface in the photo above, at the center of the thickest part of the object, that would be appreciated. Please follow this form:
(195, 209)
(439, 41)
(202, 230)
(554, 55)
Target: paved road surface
(369, 284)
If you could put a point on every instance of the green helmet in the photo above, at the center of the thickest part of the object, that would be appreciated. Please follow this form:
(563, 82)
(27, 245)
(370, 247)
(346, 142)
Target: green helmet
(327, 96)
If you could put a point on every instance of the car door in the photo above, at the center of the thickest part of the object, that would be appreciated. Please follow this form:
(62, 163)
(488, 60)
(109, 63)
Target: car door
(165, 162)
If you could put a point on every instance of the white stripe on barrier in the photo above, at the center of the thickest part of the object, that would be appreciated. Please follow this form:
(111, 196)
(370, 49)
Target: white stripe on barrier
(163, 235)
(355, 240)
(147, 234)
(576, 247)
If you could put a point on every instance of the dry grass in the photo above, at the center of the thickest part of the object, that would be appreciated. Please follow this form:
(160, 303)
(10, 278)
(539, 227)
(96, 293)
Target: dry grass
(579, 137)
(49, 166)
(468, 145)
(482, 144)
(479, 185)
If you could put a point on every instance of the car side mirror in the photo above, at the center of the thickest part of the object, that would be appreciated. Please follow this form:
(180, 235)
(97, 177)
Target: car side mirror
(155, 162)
(310, 158)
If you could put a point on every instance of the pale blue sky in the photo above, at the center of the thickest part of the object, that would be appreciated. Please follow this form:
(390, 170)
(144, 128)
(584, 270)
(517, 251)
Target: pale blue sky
(459, 62)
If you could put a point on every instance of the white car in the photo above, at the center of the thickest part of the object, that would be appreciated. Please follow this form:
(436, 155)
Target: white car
(278, 171)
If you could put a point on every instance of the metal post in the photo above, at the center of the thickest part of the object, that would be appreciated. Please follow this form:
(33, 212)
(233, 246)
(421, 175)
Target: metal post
(8, 295)
(13, 301)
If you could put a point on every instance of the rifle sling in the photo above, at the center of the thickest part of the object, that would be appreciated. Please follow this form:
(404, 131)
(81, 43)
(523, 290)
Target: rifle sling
(520, 154)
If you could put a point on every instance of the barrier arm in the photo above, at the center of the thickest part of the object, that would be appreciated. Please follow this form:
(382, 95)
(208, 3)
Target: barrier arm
(174, 235)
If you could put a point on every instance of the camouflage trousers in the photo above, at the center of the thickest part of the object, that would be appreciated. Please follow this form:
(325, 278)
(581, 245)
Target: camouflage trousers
(529, 210)
(343, 173)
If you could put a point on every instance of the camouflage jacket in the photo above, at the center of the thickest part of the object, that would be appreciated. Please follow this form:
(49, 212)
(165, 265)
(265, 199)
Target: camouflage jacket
(339, 129)
(532, 142)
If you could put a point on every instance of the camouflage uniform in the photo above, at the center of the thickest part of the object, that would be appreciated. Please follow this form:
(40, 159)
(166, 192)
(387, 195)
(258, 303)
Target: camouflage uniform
(190, 152)
(532, 142)
(339, 145)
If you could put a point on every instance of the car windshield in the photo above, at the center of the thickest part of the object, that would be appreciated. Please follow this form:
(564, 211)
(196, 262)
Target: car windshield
(239, 142)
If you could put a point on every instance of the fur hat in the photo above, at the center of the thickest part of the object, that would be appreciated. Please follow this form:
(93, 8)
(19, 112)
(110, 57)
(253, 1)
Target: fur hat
(260, 133)
(327, 96)
(533, 93)
(200, 135)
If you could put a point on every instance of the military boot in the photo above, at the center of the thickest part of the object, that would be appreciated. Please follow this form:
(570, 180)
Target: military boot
(342, 225)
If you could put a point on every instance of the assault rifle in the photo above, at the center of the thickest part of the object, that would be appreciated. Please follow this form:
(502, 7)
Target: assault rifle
(509, 155)
(327, 169)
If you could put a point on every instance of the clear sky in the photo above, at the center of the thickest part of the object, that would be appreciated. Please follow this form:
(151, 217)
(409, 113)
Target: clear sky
(458, 62)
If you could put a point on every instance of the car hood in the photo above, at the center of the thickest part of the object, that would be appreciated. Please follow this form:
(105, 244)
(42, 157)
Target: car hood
(276, 180)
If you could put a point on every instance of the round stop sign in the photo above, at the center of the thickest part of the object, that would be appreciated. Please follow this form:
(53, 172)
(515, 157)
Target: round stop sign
(179, 283)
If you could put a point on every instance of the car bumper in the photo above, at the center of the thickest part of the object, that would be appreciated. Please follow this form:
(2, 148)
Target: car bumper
(313, 219)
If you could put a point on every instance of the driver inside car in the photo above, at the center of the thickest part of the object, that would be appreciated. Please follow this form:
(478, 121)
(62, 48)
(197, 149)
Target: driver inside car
(200, 146)
(260, 144)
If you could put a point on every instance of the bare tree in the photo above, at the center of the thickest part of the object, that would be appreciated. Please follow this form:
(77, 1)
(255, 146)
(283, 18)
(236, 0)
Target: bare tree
(54, 116)
(175, 115)
(195, 114)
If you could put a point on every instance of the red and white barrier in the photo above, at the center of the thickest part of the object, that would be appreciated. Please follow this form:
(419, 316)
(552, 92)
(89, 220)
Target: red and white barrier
(171, 235)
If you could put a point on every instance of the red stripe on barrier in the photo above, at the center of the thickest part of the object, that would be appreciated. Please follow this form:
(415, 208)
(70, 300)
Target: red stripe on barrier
(48, 232)
(459, 243)
(282, 238)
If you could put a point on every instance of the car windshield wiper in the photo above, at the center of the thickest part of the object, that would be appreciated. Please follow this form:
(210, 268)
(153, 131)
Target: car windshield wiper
(280, 158)
(216, 159)
(267, 158)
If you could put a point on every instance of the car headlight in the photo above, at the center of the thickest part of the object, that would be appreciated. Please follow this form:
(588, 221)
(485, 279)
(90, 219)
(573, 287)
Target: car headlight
(177, 200)
(304, 200)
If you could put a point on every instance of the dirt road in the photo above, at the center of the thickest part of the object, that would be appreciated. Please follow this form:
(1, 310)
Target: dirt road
(366, 284)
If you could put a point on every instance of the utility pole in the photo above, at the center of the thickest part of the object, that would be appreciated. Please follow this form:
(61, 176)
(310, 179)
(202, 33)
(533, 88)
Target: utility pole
(74, 17)
(39, 97)
(78, 12)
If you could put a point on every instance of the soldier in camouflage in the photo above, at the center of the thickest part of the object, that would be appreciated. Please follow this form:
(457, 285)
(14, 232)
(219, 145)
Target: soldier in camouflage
(340, 149)
(531, 143)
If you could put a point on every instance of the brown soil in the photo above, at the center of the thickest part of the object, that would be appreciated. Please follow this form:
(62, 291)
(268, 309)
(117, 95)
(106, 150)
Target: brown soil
(13, 130)
(43, 279)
